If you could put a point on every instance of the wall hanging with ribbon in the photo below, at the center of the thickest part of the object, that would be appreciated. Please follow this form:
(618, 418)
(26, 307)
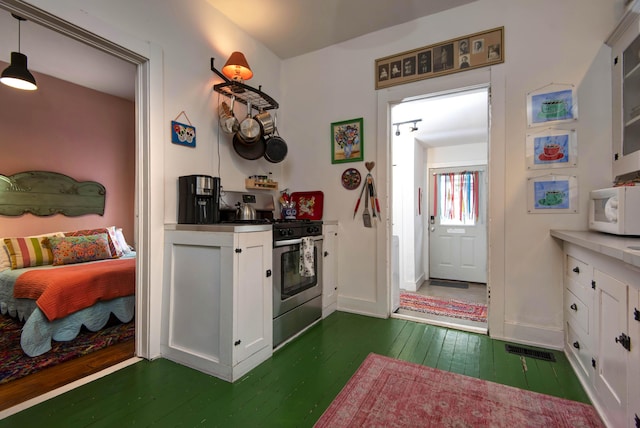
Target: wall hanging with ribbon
(182, 133)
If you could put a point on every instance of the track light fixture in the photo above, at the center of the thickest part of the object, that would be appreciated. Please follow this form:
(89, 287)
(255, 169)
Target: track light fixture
(17, 75)
(413, 128)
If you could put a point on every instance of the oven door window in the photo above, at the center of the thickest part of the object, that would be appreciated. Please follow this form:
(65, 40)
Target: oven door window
(291, 281)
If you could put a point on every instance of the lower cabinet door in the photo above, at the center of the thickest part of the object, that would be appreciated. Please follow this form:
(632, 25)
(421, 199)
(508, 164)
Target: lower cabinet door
(611, 378)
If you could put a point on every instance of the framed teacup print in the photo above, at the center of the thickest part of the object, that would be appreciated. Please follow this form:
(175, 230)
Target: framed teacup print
(552, 148)
(552, 194)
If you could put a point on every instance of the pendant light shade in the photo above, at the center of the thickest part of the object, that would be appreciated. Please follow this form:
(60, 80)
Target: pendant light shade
(17, 75)
(237, 67)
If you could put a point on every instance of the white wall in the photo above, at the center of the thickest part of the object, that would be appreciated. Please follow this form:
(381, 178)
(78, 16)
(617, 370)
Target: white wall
(546, 42)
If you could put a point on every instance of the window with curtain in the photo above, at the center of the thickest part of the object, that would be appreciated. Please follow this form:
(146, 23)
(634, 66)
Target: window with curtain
(456, 198)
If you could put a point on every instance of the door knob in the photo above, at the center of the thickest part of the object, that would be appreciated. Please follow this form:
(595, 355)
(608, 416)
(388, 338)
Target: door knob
(574, 306)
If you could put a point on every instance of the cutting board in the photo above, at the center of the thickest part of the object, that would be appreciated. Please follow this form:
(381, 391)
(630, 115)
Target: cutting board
(308, 204)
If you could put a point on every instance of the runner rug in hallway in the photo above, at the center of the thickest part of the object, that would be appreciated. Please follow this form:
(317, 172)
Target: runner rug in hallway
(385, 392)
(444, 307)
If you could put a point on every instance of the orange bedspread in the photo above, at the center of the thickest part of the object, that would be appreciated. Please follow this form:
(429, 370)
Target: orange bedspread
(62, 291)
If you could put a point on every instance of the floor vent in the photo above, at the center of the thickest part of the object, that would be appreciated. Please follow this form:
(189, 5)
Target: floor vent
(540, 355)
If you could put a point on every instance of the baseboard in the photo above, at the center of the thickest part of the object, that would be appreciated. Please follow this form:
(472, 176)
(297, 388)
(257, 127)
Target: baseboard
(532, 335)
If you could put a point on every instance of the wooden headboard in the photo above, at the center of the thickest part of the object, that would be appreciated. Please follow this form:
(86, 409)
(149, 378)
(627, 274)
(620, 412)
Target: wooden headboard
(44, 193)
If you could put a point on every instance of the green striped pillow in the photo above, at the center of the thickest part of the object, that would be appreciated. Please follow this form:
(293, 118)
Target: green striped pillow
(29, 251)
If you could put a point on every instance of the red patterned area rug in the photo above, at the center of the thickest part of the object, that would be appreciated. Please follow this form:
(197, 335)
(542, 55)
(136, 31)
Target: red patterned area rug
(443, 307)
(385, 392)
(14, 363)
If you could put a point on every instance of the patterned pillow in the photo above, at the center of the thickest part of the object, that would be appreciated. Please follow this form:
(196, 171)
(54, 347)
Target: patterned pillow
(77, 249)
(29, 251)
(114, 247)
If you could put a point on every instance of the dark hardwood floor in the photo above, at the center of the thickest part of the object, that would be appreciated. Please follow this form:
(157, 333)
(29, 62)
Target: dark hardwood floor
(297, 384)
(31, 386)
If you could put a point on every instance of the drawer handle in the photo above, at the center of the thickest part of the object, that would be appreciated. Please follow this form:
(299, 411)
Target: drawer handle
(576, 269)
(574, 306)
(576, 345)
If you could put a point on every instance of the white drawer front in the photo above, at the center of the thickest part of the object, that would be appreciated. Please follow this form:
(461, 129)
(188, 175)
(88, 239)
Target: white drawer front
(578, 345)
(576, 311)
(579, 271)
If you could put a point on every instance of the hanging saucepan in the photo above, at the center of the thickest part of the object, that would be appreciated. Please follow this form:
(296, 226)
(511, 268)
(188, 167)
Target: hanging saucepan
(265, 121)
(275, 147)
(248, 151)
(249, 128)
(228, 122)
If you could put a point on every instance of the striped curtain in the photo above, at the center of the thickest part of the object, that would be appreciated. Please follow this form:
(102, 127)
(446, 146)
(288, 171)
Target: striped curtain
(456, 197)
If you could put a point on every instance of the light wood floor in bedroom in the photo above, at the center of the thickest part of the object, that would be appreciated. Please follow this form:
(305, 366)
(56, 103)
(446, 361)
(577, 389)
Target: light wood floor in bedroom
(31, 386)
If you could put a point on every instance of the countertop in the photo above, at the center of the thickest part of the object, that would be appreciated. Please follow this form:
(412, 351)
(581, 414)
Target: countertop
(221, 227)
(622, 248)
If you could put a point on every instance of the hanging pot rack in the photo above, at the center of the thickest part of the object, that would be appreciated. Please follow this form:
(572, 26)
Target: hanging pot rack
(244, 93)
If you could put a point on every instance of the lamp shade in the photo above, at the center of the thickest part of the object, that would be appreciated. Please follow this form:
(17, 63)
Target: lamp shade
(237, 67)
(17, 75)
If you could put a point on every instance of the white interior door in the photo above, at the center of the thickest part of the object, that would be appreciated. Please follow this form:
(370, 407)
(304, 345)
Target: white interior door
(457, 226)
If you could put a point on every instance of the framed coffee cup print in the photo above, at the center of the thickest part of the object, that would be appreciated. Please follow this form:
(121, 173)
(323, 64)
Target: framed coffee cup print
(552, 194)
(551, 104)
(552, 148)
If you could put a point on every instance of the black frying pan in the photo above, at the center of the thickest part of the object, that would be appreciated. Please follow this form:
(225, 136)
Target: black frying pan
(276, 149)
(249, 151)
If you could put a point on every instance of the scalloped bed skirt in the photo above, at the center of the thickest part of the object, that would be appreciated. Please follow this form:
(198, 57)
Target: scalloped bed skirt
(38, 332)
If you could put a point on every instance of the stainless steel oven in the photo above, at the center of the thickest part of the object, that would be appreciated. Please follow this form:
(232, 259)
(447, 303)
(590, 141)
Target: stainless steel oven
(297, 300)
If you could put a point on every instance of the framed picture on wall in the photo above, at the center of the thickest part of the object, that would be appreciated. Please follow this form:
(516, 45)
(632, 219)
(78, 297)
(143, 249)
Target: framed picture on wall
(347, 144)
(450, 56)
(552, 148)
(554, 103)
(552, 194)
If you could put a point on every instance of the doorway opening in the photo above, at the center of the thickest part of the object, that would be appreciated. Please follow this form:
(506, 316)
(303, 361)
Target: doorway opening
(146, 77)
(439, 208)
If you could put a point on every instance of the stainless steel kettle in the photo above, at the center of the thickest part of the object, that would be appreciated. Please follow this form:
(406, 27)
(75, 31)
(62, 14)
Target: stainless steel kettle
(245, 212)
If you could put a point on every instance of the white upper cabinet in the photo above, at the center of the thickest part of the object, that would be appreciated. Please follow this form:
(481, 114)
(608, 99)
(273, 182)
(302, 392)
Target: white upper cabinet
(625, 45)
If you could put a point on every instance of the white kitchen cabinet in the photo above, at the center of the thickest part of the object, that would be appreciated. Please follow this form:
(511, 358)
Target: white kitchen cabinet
(625, 47)
(217, 299)
(602, 336)
(611, 360)
(330, 269)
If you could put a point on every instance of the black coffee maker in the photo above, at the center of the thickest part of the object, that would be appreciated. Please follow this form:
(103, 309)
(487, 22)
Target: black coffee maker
(198, 199)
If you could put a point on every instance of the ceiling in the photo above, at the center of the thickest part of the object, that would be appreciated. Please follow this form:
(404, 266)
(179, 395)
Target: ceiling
(294, 27)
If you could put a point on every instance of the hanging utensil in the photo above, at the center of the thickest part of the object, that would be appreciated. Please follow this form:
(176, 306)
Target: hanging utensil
(358, 203)
(366, 217)
(228, 122)
(249, 128)
(370, 186)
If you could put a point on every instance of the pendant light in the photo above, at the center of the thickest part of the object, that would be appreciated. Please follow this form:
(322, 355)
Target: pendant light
(17, 75)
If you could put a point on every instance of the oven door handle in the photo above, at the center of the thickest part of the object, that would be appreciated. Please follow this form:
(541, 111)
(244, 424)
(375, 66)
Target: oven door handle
(295, 241)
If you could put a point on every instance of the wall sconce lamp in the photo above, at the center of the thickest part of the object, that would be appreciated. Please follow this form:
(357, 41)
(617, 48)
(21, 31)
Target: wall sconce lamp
(17, 75)
(237, 68)
(413, 128)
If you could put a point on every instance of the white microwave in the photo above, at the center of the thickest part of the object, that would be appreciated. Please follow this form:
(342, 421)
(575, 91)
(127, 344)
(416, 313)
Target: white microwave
(615, 210)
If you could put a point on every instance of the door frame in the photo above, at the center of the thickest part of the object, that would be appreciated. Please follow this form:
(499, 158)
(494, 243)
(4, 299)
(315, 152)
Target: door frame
(495, 78)
(149, 210)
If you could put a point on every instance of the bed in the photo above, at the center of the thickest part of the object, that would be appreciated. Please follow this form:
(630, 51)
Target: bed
(94, 313)
(60, 281)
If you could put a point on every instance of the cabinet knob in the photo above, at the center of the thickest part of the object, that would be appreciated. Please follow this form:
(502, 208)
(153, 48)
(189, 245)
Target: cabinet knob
(326, 253)
(237, 342)
(625, 341)
(576, 345)
(574, 306)
(576, 269)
